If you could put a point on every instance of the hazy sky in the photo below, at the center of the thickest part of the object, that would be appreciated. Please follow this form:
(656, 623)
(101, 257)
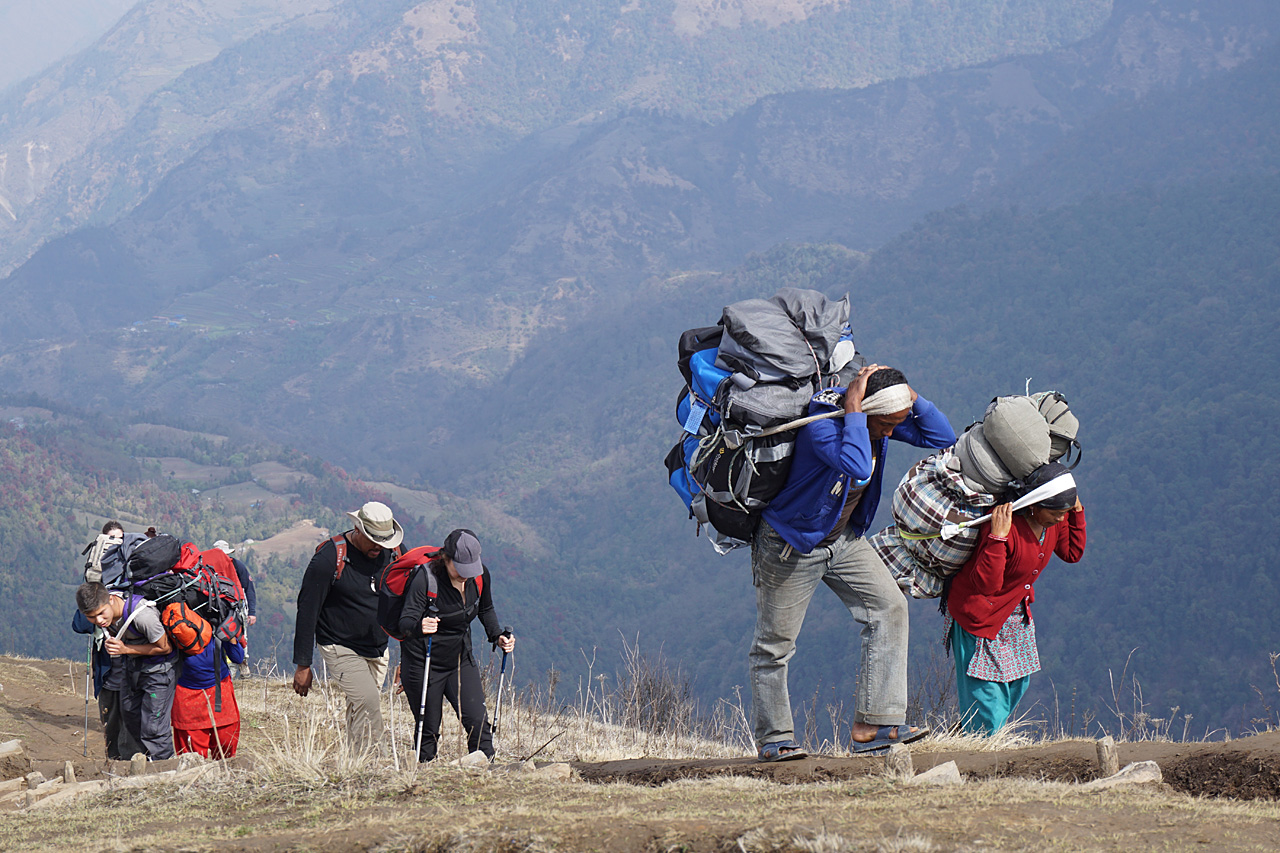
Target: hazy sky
(36, 33)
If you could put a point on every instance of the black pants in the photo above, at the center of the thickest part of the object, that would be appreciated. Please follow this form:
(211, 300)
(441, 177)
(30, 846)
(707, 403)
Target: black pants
(121, 745)
(444, 684)
(146, 704)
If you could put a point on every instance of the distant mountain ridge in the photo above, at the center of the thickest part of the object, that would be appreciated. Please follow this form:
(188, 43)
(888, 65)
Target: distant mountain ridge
(404, 93)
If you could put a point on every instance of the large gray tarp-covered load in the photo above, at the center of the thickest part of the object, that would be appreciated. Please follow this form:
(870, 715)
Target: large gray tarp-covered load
(1017, 434)
(793, 335)
(778, 353)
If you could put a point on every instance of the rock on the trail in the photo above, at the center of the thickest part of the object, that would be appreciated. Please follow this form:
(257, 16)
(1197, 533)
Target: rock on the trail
(897, 763)
(473, 760)
(943, 774)
(13, 760)
(1138, 773)
(556, 772)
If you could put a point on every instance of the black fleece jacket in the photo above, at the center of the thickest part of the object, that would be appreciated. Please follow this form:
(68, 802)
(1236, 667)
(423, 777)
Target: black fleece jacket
(453, 636)
(341, 612)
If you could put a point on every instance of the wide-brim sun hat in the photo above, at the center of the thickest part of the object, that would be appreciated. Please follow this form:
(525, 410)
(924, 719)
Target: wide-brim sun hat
(376, 522)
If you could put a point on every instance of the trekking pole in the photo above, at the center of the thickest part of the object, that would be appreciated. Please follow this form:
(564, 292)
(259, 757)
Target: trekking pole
(391, 694)
(88, 669)
(502, 678)
(422, 703)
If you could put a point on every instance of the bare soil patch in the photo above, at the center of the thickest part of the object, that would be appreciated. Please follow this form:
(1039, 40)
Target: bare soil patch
(1248, 768)
(178, 468)
(278, 477)
(168, 433)
(299, 538)
(244, 495)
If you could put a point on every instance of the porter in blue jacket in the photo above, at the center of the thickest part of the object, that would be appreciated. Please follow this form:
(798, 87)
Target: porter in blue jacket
(812, 533)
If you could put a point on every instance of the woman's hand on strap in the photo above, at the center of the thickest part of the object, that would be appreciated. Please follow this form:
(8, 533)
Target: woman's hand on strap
(1001, 521)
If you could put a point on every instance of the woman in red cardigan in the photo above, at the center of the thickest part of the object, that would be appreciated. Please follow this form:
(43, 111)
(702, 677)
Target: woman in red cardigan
(992, 635)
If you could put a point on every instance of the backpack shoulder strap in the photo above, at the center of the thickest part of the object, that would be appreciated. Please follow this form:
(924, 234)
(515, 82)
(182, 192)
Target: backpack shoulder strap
(479, 585)
(340, 547)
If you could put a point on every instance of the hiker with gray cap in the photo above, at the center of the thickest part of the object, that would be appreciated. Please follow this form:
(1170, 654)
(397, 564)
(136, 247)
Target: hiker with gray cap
(338, 611)
(464, 592)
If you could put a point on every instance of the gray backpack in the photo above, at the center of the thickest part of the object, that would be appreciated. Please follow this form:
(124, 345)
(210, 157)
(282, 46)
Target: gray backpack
(105, 558)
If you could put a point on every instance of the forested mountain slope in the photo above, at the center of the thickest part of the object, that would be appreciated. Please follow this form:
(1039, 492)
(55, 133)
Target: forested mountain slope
(235, 288)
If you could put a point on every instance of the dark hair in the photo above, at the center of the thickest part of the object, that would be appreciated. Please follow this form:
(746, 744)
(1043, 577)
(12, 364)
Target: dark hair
(91, 597)
(883, 379)
(112, 525)
(1044, 474)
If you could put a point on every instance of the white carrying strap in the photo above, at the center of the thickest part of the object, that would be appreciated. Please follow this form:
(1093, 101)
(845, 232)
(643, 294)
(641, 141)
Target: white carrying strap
(1056, 486)
(144, 603)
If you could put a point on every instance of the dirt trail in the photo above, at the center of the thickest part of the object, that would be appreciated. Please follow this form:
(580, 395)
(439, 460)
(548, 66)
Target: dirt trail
(1244, 769)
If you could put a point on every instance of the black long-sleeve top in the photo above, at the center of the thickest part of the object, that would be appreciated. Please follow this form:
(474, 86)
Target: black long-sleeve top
(455, 611)
(341, 612)
(246, 583)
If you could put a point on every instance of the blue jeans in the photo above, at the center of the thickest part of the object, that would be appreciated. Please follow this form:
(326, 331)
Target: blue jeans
(853, 571)
(984, 705)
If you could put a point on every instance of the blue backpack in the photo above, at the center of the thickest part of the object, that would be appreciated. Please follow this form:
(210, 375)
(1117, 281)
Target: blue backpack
(748, 380)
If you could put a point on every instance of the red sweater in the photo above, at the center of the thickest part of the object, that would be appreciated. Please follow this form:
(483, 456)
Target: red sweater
(1001, 574)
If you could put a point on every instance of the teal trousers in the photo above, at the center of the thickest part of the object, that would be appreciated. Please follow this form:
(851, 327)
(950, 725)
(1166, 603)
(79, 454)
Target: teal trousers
(984, 705)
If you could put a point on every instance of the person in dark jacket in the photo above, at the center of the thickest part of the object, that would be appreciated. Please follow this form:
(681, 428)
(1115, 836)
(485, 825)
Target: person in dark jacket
(338, 610)
(812, 533)
(108, 681)
(108, 672)
(463, 593)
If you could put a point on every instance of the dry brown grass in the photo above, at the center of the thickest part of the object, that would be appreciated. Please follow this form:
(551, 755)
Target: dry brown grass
(296, 788)
(443, 808)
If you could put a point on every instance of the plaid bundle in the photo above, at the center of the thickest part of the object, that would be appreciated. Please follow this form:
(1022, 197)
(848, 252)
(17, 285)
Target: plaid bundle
(930, 494)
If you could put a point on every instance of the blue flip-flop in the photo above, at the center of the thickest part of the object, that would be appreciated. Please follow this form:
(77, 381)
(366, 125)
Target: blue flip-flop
(885, 737)
(774, 751)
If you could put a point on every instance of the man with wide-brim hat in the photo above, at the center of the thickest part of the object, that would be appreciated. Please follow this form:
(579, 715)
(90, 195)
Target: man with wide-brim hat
(338, 611)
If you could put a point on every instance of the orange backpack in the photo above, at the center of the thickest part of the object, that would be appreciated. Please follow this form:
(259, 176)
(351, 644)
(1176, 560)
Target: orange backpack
(190, 632)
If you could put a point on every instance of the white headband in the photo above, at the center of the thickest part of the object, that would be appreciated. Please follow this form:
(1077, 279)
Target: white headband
(886, 401)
